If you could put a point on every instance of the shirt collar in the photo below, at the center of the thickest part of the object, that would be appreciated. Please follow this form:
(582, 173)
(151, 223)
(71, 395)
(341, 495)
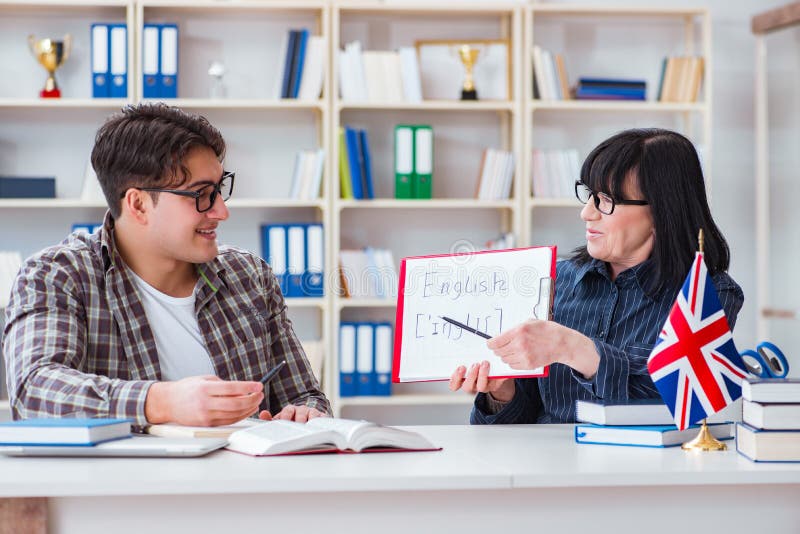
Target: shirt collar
(641, 275)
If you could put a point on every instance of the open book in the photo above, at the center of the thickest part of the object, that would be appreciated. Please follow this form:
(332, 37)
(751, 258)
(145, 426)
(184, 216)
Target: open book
(324, 434)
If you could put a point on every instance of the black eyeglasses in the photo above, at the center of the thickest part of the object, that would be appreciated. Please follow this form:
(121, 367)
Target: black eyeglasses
(204, 197)
(604, 203)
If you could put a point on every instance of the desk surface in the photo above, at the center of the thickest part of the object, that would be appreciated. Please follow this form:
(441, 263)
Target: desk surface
(474, 457)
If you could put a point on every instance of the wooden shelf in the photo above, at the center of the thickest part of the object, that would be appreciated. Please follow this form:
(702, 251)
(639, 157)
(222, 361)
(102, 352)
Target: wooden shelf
(343, 302)
(205, 103)
(617, 105)
(426, 8)
(71, 103)
(429, 105)
(618, 11)
(307, 302)
(427, 204)
(456, 398)
(273, 5)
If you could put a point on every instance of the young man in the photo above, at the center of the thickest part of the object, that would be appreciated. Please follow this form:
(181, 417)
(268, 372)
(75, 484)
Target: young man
(149, 318)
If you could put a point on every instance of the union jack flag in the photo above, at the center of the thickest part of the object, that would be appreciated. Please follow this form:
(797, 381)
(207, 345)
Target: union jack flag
(695, 364)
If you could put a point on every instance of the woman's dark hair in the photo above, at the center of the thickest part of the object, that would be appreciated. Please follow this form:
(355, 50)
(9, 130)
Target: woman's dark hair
(145, 145)
(667, 170)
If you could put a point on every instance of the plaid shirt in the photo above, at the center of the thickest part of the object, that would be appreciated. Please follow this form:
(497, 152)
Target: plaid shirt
(77, 341)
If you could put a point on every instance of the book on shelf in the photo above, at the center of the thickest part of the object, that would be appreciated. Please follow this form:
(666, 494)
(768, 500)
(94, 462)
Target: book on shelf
(174, 430)
(355, 172)
(771, 416)
(367, 273)
(550, 81)
(63, 431)
(610, 89)
(646, 435)
(681, 79)
(306, 181)
(767, 390)
(554, 172)
(627, 412)
(496, 175)
(295, 251)
(768, 445)
(325, 434)
(503, 241)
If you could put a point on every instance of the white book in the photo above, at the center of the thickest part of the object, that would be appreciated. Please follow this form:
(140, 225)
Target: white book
(313, 69)
(393, 77)
(296, 183)
(346, 91)
(771, 416)
(316, 176)
(537, 174)
(307, 173)
(508, 179)
(549, 75)
(374, 76)
(324, 434)
(409, 69)
(486, 173)
(357, 76)
(539, 71)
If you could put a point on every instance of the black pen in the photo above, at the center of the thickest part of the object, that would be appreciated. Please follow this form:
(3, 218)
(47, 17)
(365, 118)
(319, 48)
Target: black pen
(272, 372)
(465, 327)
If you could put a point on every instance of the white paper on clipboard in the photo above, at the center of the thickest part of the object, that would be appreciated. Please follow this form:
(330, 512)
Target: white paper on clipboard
(490, 291)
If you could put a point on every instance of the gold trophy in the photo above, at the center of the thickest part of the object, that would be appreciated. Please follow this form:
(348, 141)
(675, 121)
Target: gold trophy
(51, 54)
(468, 55)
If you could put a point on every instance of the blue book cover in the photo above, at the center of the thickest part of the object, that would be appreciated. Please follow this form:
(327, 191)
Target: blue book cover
(299, 62)
(356, 180)
(63, 431)
(291, 54)
(612, 81)
(366, 160)
(646, 435)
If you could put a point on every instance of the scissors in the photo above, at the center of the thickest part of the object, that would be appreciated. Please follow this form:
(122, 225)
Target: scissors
(767, 361)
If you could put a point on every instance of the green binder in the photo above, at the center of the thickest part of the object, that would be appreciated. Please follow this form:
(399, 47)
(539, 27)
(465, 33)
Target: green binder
(403, 161)
(423, 162)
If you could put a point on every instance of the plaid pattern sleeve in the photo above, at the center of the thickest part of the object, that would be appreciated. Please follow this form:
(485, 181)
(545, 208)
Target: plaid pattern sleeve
(53, 369)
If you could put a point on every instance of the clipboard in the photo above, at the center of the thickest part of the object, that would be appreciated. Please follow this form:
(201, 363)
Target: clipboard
(489, 291)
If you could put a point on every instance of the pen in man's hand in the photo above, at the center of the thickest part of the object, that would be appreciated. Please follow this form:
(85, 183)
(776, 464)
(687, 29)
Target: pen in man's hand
(273, 372)
(465, 327)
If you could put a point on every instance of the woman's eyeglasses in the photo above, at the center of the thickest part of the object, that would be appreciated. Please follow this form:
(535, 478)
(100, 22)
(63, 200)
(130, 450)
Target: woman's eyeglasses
(604, 203)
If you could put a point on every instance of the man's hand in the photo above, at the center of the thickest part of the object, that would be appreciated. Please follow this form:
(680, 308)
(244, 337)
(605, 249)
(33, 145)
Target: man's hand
(202, 401)
(476, 379)
(301, 414)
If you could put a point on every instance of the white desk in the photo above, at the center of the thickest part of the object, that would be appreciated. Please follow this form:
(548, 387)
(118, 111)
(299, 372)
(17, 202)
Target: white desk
(486, 478)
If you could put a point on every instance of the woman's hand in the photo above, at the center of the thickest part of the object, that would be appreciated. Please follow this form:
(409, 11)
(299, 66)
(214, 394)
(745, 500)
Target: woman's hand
(536, 343)
(476, 380)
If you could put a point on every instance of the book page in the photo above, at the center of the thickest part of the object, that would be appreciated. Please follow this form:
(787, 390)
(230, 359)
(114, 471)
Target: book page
(348, 428)
(490, 292)
(281, 437)
(364, 434)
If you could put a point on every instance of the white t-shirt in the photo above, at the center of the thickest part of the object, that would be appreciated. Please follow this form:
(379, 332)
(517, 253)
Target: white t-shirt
(181, 349)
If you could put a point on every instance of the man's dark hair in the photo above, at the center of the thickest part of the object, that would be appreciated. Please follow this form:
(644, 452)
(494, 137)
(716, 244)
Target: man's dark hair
(667, 170)
(145, 145)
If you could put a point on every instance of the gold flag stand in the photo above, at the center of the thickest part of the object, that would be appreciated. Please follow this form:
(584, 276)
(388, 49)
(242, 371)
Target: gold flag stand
(704, 441)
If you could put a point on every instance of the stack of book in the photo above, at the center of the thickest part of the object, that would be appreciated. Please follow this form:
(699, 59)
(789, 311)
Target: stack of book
(496, 176)
(367, 273)
(637, 422)
(554, 172)
(610, 89)
(681, 78)
(303, 66)
(770, 427)
(379, 76)
(355, 165)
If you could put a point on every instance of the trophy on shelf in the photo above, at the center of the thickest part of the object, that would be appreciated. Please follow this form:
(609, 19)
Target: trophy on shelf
(469, 55)
(218, 89)
(51, 54)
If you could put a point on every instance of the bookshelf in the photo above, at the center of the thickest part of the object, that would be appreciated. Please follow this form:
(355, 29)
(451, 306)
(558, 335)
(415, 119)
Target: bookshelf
(263, 133)
(592, 40)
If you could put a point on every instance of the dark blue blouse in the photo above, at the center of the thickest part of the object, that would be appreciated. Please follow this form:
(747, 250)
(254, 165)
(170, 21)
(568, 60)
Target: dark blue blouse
(623, 319)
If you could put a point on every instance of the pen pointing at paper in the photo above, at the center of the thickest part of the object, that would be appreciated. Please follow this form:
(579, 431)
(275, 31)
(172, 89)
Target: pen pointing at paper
(465, 327)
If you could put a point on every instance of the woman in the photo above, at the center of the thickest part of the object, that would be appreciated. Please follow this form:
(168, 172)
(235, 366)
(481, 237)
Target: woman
(645, 201)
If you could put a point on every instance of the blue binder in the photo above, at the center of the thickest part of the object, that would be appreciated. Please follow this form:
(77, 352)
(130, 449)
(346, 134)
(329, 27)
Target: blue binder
(151, 58)
(365, 359)
(273, 250)
(100, 48)
(347, 359)
(295, 259)
(168, 63)
(118, 60)
(382, 380)
(315, 261)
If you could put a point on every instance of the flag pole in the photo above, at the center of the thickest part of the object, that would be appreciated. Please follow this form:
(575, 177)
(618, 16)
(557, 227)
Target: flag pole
(704, 441)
